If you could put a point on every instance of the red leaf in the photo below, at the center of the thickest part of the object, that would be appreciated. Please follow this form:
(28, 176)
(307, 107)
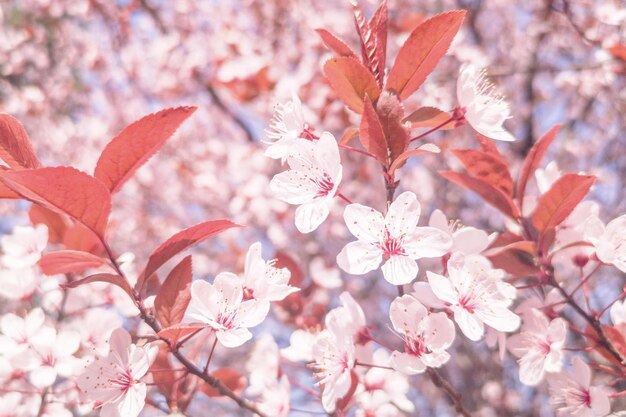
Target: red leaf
(56, 223)
(401, 159)
(64, 190)
(532, 161)
(560, 200)
(174, 295)
(518, 258)
(110, 278)
(232, 378)
(421, 52)
(369, 46)
(430, 117)
(65, 261)
(174, 334)
(390, 113)
(348, 135)
(335, 44)
(378, 26)
(78, 237)
(134, 145)
(351, 81)
(372, 135)
(487, 167)
(489, 193)
(15, 147)
(617, 339)
(183, 240)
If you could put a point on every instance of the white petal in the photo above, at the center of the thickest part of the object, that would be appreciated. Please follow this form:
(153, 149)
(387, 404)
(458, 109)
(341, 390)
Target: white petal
(427, 242)
(442, 287)
(233, 337)
(531, 368)
(400, 269)
(403, 214)
(582, 372)
(359, 258)
(310, 215)
(133, 401)
(364, 222)
(471, 327)
(43, 376)
(406, 363)
(119, 342)
(438, 331)
(500, 318)
(293, 187)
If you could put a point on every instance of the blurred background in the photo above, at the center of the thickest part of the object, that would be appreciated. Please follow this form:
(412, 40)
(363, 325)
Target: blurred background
(76, 72)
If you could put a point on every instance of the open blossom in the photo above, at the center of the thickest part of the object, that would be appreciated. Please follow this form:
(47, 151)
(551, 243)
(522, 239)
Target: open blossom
(263, 365)
(476, 298)
(22, 248)
(394, 238)
(222, 307)
(19, 333)
(275, 398)
(465, 239)
(349, 317)
(483, 109)
(426, 336)
(573, 395)
(333, 361)
(114, 382)
(312, 180)
(262, 281)
(286, 126)
(609, 240)
(539, 346)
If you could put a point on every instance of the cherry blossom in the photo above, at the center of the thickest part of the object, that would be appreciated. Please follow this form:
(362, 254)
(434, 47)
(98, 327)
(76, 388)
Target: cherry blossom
(465, 239)
(540, 347)
(287, 125)
(114, 382)
(19, 333)
(22, 249)
(618, 313)
(574, 396)
(333, 361)
(476, 299)
(312, 180)
(263, 365)
(609, 240)
(222, 307)
(349, 317)
(275, 398)
(483, 109)
(262, 281)
(426, 336)
(394, 239)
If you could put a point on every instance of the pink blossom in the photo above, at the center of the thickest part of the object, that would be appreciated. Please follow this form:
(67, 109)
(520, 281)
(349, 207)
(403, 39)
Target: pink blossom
(22, 249)
(394, 239)
(222, 307)
(312, 180)
(483, 109)
(465, 239)
(609, 240)
(539, 346)
(426, 336)
(114, 382)
(476, 299)
(573, 395)
(287, 125)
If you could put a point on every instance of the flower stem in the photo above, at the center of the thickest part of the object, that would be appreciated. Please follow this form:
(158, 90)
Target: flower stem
(434, 129)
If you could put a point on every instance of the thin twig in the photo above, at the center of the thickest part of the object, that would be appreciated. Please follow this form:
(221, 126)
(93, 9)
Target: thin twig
(453, 394)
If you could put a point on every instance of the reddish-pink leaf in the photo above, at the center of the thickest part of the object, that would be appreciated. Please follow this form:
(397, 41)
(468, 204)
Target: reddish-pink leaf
(430, 117)
(56, 223)
(175, 333)
(174, 295)
(532, 161)
(378, 26)
(183, 240)
(231, 378)
(351, 81)
(64, 190)
(109, 278)
(487, 167)
(15, 147)
(488, 192)
(372, 135)
(517, 258)
(369, 47)
(66, 261)
(335, 44)
(424, 149)
(79, 237)
(560, 200)
(348, 135)
(421, 52)
(390, 113)
(134, 145)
